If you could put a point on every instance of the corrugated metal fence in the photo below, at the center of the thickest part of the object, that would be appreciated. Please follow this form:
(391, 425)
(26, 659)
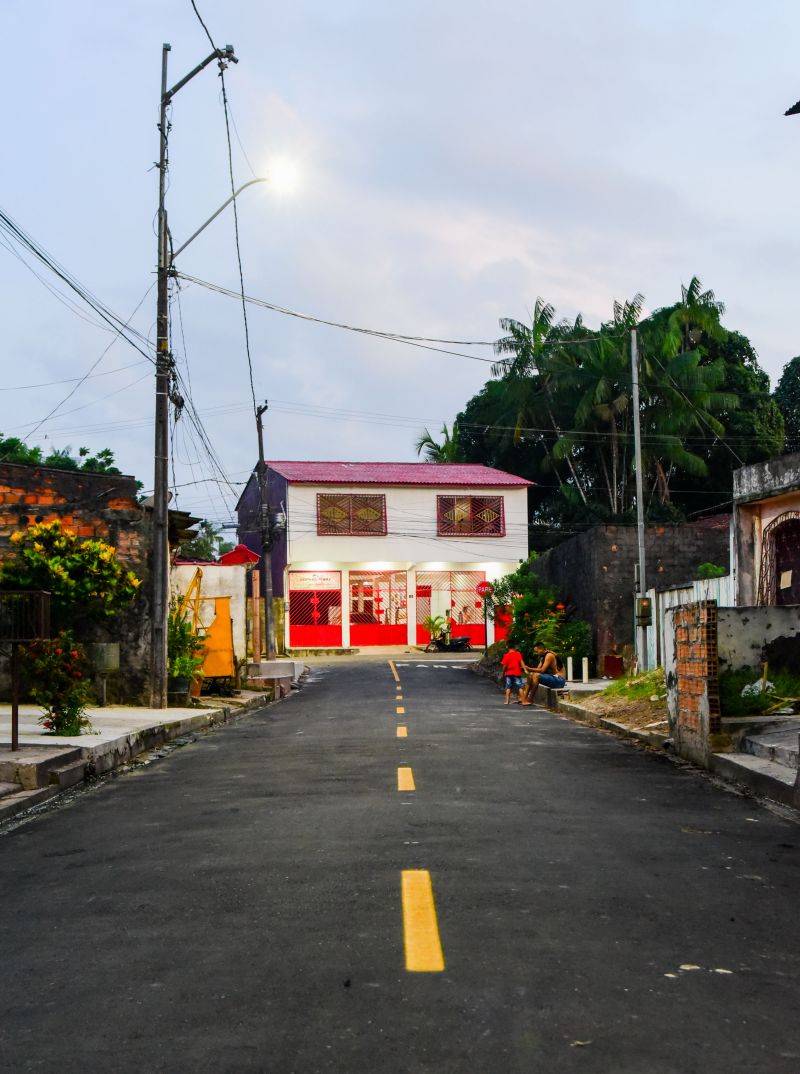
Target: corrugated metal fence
(718, 589)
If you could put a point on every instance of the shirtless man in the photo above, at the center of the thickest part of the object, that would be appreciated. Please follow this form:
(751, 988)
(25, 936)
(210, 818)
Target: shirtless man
(546, 671)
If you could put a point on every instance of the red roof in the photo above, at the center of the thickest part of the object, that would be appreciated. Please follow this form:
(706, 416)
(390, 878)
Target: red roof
(451, 474)
(240, 554)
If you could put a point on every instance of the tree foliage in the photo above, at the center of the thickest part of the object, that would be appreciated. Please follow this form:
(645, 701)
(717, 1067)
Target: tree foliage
(12, 449)
(84, 577)
(207, 546)
(787, 398)
(559, 411)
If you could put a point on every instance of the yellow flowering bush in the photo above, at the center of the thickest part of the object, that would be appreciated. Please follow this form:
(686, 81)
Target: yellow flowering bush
(84, 577)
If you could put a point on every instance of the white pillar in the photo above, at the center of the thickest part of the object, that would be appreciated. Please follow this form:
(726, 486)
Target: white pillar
(411, 605)
(345, 609)
(570, 675)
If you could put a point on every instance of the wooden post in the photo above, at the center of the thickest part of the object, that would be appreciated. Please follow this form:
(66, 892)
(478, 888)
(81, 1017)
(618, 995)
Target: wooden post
(14, 695)
(255, 583)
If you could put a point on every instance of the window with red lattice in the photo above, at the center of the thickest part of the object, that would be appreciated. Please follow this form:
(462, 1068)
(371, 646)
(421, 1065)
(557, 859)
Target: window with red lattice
(470, 516)
(351, 514)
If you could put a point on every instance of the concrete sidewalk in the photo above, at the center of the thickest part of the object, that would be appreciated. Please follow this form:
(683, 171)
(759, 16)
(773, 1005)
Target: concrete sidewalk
(46, 764)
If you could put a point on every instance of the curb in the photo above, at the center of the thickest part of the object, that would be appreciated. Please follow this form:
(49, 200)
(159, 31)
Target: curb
(99, 761)
(765, 779)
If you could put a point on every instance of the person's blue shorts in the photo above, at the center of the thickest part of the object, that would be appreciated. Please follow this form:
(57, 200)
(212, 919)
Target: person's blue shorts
(514, 682)
(555, 682)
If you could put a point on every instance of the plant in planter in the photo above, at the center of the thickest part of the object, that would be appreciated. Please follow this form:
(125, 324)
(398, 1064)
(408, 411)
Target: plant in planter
(184, 653)
(59, 671)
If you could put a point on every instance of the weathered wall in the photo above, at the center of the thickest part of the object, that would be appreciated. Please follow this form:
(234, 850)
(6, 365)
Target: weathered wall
(595, 571)
(219, 580)
(749, 636)
(770, 478)
(103, 506)
(693, 682)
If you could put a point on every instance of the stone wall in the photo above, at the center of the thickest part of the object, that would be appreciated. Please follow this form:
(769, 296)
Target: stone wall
(595, 571)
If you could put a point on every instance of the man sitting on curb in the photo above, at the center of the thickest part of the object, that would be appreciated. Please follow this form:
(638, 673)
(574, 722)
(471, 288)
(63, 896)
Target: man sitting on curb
(513, 668)
(546, 671)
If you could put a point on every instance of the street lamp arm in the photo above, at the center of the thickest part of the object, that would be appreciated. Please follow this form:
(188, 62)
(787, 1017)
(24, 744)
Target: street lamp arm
(218, 54)
(214, 216)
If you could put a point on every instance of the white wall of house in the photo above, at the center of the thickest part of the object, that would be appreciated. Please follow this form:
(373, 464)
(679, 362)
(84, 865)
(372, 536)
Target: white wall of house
(219, 580)
(411, 524)
(411, 543)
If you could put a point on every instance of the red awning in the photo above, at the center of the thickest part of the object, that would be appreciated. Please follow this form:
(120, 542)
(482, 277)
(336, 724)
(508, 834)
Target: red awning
(240, 554)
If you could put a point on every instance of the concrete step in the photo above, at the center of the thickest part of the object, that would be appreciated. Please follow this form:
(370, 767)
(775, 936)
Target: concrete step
(69, 774)
(778, 746)
(9, 788)
(31, 765)
(761, 775)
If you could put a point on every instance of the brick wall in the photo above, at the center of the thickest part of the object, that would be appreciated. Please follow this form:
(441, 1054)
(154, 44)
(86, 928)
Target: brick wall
(103, 506)
(696, 679)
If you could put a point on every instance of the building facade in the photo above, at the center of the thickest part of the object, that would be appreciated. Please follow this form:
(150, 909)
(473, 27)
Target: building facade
(366, 552)
(766, 532)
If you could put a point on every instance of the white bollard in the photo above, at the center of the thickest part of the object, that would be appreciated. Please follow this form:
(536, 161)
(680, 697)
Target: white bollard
(586, 669)
(570, 676)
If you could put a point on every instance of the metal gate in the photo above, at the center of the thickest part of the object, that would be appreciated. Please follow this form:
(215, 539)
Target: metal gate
(779, 574)
(315, 609)
(441, 591)
(378, 608)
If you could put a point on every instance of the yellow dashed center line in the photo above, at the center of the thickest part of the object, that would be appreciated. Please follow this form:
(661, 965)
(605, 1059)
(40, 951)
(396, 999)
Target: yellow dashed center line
(401, 710)
(394, 671)
(405, 779)
(402, 731)
(420, 928)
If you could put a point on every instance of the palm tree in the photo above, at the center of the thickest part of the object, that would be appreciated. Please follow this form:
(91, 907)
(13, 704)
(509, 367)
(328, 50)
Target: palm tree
(530, 372)
(446, 451)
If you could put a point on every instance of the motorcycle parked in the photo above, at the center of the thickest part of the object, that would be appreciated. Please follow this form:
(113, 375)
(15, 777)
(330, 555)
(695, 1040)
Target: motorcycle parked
(442, 644)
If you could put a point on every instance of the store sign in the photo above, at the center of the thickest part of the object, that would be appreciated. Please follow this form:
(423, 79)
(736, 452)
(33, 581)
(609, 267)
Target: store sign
(315, 580)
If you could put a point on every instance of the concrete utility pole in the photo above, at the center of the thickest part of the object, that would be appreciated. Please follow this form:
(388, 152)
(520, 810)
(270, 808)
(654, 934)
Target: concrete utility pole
(266, 536)
(641, 648)
(164, 365)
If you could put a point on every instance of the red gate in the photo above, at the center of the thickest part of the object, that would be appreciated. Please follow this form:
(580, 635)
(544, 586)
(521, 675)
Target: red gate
(315, 609)
(378, 608)
(453, 591)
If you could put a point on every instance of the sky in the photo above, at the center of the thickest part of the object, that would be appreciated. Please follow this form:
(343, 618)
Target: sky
(453, 162)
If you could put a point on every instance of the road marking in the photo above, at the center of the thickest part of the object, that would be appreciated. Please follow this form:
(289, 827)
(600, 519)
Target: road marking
(420, 929)
(401, 711)
(405, 779)
(394, 671)
(402, 731)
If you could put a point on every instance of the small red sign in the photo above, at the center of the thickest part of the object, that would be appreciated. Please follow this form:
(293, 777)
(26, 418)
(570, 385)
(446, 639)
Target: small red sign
(484, 589)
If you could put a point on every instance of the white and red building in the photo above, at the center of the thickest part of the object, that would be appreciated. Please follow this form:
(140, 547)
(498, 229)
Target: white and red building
(369, 550)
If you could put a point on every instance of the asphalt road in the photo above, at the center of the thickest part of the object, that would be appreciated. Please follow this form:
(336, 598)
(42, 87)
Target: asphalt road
(237, 905)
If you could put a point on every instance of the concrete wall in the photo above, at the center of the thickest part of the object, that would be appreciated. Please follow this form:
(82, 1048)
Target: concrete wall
(749, 636)
(770, 478)
(761, 493)
(219, 580)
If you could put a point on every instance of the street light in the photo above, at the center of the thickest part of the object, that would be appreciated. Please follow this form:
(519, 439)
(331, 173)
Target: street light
(160, 558)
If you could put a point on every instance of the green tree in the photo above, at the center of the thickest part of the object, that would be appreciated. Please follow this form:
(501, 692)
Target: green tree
(207, 546)
(446, 450)
(12, 449)
(787, 398)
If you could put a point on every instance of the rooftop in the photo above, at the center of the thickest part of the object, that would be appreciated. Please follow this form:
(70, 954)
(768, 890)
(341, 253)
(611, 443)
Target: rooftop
(450, 474)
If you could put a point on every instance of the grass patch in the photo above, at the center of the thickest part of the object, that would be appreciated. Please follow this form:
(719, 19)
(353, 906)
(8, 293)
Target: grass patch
(786, 689)
(638, 688)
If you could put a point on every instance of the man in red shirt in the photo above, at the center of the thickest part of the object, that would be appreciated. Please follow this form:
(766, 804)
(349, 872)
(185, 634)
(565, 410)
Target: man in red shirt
(514, 670)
